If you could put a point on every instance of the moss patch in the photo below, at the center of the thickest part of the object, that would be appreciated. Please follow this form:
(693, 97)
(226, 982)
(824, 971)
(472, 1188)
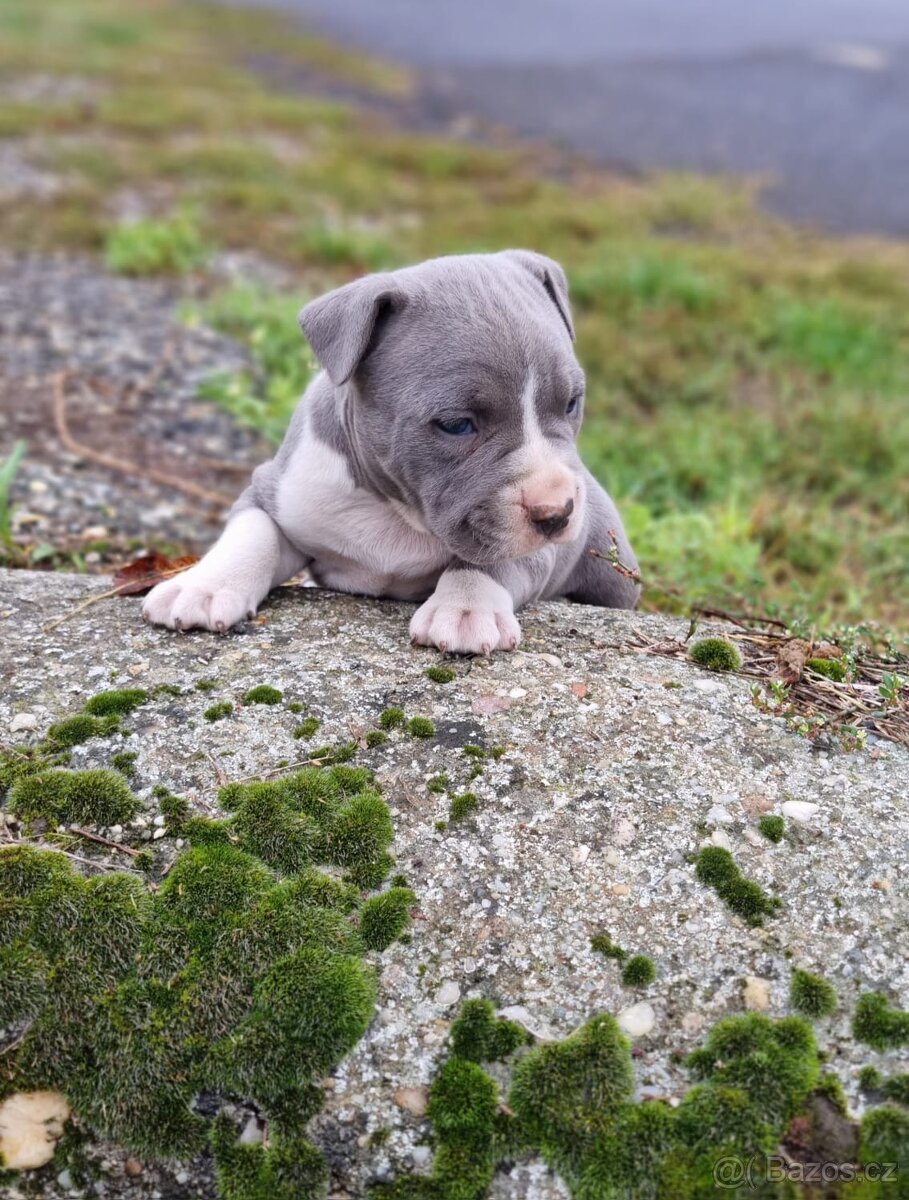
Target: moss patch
(306, 728)
(463, 806)
(116, 703)
(421, 727)
(440, 674)
(242, 973)
(74, 730)
(715, 654)
(217, 712)
(832, 668)
(97, 797)
(716, 867)
(602, 943)
(772, 827)
(263, 694)
(880, 1024)
(384, 918)
(811, 995)
(573, 1103)
(638, 972)
(392, 718)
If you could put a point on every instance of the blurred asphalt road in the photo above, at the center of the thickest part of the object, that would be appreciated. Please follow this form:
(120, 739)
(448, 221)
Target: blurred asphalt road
(812, 95)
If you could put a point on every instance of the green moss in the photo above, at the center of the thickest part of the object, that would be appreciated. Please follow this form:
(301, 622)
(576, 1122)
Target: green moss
(437, 784)
(421, 727)
(602, 943)
(716, 867)
(832, 668)
(384, 918)
(166, 689)
(98, 797)
(566, 1095)
(811, 995)
(217, 712)
(463, 806)
(885, 1137)
(896, 1087)
(392, 718)
(75, 730)
(463, 1107)
(440, 674)
(879, 1024)
(472, 751)
(715, 654)
(295, 706)
(288, 1169)
(263, 694)
(116, 703)
(631, 1154)
(266, 825)
(870, 1079)
(376, 737)
(479, 1036)
(772, 827)
(309, 1010)
(638, 972)
(205, 685)
(23, 983)
(572, 1102)
(498, 752)
(175, 810)
(306, 728)
(203, 831)
(773, 1064)
(125, 763)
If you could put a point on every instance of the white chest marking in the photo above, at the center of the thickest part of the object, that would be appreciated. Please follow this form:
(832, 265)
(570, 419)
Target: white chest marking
(357, 541)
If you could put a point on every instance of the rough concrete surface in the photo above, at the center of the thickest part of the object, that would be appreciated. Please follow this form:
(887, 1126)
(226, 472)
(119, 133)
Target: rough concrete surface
(618, 765)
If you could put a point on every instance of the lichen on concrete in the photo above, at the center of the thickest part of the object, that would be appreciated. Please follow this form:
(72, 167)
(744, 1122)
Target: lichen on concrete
(605, 786)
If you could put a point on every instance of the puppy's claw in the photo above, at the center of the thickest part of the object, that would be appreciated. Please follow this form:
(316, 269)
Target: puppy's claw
(486, 649)
(220, 627)
(178, 625)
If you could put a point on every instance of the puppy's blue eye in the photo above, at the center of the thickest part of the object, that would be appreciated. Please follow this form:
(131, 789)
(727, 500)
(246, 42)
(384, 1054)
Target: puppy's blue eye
(573, 405)
(458, 427)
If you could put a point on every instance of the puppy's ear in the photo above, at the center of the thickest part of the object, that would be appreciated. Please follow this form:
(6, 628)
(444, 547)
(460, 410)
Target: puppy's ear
(341, 326)
(552, 277)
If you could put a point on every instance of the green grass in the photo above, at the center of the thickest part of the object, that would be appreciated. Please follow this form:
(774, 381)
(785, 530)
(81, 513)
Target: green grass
(746, 381)
(170, 246)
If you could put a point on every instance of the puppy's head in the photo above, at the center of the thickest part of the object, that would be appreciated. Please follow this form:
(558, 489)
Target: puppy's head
(461, 397)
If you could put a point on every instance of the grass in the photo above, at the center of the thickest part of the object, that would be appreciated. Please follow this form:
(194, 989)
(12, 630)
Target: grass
(746, 380)
(170, 246)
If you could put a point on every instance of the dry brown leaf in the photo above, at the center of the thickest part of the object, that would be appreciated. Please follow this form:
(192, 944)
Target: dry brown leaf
(143, 573)
(790, 660)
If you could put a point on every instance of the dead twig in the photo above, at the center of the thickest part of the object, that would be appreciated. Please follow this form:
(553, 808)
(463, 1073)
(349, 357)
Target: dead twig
(60, 381)
(102, 841)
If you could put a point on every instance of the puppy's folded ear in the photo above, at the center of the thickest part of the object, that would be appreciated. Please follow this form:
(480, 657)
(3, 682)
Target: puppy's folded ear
(552, 277)
(342, 326)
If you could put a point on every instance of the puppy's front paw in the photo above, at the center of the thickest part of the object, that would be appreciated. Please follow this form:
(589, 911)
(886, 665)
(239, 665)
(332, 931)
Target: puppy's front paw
(191, 602)
(468, 613)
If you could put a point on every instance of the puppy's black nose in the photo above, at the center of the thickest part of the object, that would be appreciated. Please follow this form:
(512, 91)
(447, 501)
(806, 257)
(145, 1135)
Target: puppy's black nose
(549, 519)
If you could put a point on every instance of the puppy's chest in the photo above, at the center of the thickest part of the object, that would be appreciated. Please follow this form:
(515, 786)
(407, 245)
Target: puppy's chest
(357, 541)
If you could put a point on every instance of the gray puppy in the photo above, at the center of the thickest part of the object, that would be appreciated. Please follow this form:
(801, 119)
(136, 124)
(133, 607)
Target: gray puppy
(433, 459)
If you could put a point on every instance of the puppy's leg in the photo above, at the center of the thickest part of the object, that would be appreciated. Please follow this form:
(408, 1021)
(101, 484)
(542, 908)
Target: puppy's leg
(593, 580)
(468, 613)
(251, 557)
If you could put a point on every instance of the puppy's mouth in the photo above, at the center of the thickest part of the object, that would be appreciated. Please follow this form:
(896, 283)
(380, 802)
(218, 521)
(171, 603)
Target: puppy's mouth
(502, 530)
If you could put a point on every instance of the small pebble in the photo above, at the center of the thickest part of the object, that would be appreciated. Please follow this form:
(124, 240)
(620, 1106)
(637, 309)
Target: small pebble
(449, 993)
(23, 721)
(637, 1020)
(413, 1099)
(799, 810)
(756, 993)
